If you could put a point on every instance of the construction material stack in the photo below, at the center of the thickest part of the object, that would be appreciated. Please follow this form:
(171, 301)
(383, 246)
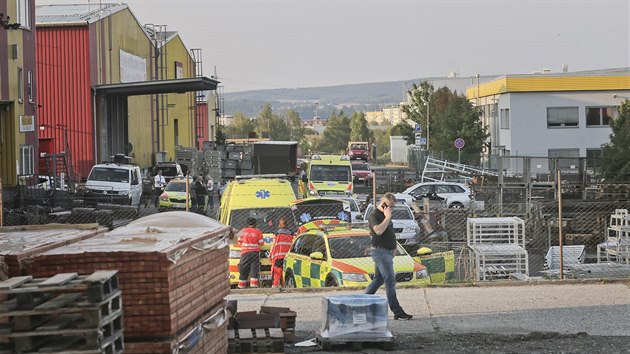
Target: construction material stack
(173, 270)
(188, 157)
(497, 247)
(65, 313)
(20, 243)
(212, 162)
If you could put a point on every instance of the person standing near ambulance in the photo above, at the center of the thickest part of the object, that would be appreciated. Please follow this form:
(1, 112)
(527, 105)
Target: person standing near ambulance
(250, 239)
(279, 249)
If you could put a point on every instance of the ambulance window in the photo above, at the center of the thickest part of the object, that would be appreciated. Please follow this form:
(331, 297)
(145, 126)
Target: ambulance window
(319, 246)
(304, 245)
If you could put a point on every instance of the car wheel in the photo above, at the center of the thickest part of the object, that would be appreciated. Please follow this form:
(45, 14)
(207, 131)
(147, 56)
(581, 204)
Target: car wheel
(331, 281)
(289, 280)
(456, 205)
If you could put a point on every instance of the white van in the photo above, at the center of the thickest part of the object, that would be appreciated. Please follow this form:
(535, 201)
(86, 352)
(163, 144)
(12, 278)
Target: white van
(114, 183)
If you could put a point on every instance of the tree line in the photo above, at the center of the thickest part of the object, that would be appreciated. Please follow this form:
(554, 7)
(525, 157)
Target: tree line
(442, 114)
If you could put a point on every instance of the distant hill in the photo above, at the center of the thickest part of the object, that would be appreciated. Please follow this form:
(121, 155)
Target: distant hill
(349, 98)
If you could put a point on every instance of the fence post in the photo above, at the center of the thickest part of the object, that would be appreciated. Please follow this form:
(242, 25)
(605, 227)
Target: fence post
(187, 192)
(560, 222)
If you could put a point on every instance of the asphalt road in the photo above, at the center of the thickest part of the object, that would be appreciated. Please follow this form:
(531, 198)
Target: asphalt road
(573, 309)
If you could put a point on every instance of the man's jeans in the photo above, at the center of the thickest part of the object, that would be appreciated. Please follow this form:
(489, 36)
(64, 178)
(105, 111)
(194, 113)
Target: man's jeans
(384, 274)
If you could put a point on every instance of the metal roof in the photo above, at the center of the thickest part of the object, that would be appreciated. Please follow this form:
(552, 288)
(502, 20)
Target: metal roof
(75, 14)
(160, 86)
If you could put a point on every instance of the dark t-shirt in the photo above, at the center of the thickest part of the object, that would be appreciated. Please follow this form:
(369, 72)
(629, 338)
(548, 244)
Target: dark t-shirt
(388, 238)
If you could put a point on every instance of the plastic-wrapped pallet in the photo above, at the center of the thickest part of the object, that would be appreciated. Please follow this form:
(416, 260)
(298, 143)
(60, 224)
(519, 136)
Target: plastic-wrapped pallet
(357, 315)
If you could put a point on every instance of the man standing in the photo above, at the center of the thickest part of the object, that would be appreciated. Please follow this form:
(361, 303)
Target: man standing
(210, 189)
(200, 194)
(251, 239)
(383, 251)
(222, 185)
(158, 186)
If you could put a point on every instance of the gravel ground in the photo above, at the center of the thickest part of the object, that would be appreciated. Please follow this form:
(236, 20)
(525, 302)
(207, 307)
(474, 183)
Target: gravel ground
(535, 342)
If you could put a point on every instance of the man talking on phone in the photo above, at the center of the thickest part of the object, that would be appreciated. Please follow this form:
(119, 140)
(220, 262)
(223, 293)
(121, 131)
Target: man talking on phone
(383, 251)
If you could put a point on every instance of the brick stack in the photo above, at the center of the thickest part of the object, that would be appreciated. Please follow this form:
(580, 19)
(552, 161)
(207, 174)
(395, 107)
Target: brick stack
(19, 243)
(172, 274)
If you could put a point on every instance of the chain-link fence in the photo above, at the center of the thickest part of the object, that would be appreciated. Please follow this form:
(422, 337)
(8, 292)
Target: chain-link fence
(510, 231)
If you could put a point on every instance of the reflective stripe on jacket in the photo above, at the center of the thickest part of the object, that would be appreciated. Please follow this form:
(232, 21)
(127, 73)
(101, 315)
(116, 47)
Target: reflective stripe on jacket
(250, 239)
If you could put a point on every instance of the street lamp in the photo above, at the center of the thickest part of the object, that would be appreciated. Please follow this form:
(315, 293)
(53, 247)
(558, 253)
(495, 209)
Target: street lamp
(428, 121)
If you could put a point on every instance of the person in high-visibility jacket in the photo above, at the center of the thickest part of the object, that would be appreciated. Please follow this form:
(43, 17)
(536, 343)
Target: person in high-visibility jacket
(279, 249)
(251, 239)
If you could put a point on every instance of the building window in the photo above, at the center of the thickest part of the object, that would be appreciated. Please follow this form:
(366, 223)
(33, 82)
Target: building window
(505, 118)
(594, 158)
(29, 87)
(562, 117)
(600, 116)
(20, 84)
(24, 13)
(27, 159)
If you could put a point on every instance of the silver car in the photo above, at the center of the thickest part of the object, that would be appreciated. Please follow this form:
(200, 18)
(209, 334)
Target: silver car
(405, 225)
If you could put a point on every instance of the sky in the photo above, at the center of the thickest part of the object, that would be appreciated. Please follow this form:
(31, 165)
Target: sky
(260, 44)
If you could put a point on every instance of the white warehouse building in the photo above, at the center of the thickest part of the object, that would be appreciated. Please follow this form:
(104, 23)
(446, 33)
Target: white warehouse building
(552, 114)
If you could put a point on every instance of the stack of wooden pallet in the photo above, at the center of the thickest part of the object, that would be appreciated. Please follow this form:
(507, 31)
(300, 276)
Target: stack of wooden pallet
(19, 243)
(64, 313)
(173, 273)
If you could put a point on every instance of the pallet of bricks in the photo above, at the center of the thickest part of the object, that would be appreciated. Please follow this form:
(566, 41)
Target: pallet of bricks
(262, 332)
(187, 157)
(20, 243)
(212, 163)
(173, 271)
(65, 313)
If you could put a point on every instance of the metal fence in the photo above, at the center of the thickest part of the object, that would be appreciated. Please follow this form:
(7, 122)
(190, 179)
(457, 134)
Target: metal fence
(510, 232)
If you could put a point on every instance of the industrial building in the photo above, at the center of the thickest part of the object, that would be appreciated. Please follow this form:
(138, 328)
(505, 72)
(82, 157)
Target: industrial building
(18, 105)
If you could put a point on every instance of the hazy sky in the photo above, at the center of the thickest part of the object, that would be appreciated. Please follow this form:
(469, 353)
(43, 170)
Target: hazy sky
(300, 43)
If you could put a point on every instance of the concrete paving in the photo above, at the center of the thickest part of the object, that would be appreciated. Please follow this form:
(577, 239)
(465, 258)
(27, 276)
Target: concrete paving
(594, 308)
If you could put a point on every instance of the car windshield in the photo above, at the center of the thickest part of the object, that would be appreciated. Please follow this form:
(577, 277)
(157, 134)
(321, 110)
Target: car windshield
(105, 174)
(176, 187)
(266, 218)
(358, 147)
(170, 171)
(350, 247)
(354, 247)
(401, 213)
(333, 173)
(360, 167)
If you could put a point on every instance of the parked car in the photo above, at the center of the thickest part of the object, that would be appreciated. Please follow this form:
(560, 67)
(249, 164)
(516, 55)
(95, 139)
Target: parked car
(113, 183)
(170, 170)
(174, 196)
(405, 225)
(455, 195)
(341, 258)
(361, 173)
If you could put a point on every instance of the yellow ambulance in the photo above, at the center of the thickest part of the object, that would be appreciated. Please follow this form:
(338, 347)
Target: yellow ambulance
(326, 175)
(265, 198)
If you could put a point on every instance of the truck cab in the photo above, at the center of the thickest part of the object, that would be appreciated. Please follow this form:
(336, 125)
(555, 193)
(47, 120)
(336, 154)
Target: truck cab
(326, 175)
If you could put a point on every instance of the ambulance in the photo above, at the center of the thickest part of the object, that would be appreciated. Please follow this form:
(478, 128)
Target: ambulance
(265, 198)
(326, 175)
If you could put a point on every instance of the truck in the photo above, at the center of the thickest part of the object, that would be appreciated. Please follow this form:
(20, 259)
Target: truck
(273, 157)
(360, 150)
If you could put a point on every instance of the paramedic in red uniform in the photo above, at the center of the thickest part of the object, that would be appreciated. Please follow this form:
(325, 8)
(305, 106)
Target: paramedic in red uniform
(279, 249)
(251, 239)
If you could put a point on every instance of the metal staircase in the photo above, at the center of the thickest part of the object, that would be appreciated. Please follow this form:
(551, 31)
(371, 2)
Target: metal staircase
(436, 170)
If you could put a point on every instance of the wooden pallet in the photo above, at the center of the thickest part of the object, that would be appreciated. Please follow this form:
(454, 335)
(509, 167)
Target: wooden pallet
(356, 342)
(64, 313)
(287, 320)
(267, 340)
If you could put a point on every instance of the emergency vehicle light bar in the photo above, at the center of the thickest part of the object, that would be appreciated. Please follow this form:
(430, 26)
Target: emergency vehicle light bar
(269, 176)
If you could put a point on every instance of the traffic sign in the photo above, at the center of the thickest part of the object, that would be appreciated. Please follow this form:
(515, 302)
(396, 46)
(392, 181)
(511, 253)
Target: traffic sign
(418, 128)
(420, 140)
(459, 143)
